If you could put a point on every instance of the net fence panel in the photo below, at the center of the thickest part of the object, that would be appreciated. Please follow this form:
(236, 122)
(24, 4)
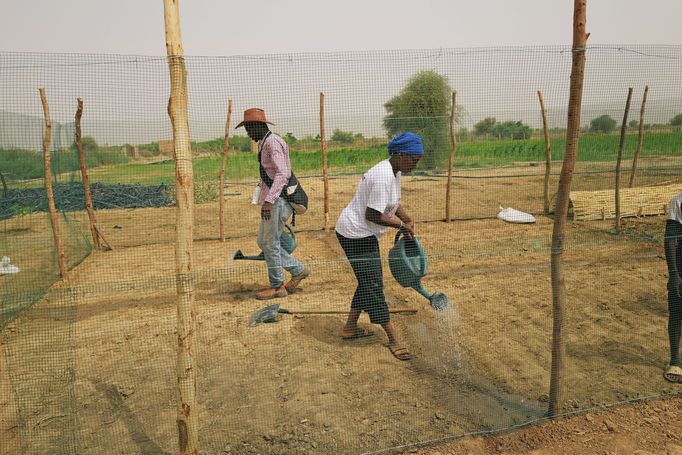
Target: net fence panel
(87, 364)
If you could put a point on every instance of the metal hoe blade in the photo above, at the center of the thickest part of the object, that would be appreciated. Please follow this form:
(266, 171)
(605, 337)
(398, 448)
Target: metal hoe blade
(267, 314)
(238, 255)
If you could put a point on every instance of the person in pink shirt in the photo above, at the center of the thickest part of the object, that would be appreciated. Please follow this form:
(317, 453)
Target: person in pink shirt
(276, 176)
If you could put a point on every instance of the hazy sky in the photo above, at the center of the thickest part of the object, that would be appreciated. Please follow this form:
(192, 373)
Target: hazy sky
(126, 96)
(224, 27)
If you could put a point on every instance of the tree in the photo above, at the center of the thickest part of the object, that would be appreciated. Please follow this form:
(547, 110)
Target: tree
(89, 144)
(423, 107)
(240, 143)
(677, 120)
(602, 124)
(342, 137)
(511, 130)
(633, 124)
(485, 126)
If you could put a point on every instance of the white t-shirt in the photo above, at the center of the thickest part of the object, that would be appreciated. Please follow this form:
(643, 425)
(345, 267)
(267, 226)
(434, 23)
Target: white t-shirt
(379, 189)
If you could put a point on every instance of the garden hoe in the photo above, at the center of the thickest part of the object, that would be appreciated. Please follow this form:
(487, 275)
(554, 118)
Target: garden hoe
(269, 313)
(409, 264)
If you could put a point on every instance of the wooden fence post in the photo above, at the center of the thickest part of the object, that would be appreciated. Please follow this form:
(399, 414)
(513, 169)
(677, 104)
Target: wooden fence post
(623, 128)
(640, 139)
(453, 151)
(556, 386)
(4, 185)
(184, 176)
(548, 153)
(223, 166)
(325, 177)
(92, 220)
(47, 157)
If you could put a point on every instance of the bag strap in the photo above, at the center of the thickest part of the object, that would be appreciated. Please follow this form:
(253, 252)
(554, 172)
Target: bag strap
(264, 175)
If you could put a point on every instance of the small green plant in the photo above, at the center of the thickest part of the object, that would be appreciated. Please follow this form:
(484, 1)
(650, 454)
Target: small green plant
(19, 210)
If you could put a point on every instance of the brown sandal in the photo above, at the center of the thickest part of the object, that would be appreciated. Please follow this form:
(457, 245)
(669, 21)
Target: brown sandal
(400, 353)
(359, 333)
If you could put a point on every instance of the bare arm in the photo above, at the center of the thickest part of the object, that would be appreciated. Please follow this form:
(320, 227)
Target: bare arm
(402, 214)
(390, 221)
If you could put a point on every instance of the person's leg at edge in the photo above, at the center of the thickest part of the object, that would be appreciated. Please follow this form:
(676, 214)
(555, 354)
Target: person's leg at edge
(674, 327)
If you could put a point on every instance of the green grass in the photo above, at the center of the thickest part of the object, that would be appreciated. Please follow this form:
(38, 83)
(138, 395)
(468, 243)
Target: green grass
(239, 166)
(469, 154)
(592, 148)
(244, 165)
(18, 164)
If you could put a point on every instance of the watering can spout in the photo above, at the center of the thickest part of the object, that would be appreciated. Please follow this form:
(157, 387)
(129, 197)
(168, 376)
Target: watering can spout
(422, 291)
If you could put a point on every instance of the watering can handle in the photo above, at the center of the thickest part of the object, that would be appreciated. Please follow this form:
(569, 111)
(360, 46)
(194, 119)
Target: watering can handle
(399, 233)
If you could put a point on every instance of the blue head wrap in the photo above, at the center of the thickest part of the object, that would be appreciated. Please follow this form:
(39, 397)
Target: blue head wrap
(407, 143)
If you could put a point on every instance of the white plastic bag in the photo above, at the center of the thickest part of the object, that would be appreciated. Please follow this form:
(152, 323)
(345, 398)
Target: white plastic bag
(256, 196)
(515, 216)
(6, 268)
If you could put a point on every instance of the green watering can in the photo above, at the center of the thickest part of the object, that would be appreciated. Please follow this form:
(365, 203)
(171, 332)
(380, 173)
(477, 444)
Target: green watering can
(409, 264)
(287, 241)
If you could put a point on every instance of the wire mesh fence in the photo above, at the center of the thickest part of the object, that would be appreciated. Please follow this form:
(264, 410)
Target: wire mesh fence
(87, 363)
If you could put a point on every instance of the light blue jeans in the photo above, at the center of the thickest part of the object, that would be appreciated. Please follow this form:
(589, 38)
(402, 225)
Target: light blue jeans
(276, 257)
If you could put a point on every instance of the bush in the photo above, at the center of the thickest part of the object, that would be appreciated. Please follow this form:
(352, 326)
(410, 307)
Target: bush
(485, 126)
(342, 137)
(677, 120)
(290, 139)
(602, 124)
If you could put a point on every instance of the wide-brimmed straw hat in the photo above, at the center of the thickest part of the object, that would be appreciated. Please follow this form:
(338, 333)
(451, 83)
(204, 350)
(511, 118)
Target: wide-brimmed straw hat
(254, 114)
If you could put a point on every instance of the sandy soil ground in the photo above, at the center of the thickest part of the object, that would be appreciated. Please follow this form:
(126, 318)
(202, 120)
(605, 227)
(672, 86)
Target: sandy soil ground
(645, 429)
(92, 365)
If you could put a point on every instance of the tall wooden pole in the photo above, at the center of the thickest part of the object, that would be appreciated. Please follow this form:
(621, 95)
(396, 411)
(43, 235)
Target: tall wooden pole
(453, 151)
(84, 177)
(223, 166)
(548, 153)
(556, 386)
(47, 158)
(640, 139)
(186, 311)
(623, 128)
(325, 177)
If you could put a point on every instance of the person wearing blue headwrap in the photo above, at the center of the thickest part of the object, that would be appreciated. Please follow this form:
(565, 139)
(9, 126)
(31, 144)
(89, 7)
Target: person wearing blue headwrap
(406, 143)
(376, 207)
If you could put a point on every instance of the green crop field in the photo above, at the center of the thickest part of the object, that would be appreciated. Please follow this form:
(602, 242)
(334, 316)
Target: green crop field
(109, 166)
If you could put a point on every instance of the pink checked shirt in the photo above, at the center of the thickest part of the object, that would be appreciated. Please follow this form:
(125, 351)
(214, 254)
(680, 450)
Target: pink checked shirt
(275, 159)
